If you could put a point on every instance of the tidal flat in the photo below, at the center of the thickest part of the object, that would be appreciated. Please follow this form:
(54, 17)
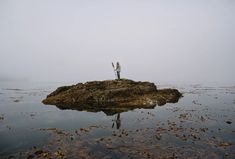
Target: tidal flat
(200, 125)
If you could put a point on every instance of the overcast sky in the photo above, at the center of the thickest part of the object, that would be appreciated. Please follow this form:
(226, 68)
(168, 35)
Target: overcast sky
(158, 40)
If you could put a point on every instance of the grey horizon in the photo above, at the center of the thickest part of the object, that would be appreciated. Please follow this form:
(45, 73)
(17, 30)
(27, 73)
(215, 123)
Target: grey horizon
(165, 40)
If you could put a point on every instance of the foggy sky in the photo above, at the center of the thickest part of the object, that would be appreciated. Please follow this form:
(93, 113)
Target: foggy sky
(158, 40)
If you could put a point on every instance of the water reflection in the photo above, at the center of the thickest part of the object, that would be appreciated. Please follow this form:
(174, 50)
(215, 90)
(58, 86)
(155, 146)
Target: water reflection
(109, 111)
(117, 121)
(201, 114)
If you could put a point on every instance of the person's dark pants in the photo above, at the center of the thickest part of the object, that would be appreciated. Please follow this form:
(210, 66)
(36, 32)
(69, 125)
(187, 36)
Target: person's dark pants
(118, 74)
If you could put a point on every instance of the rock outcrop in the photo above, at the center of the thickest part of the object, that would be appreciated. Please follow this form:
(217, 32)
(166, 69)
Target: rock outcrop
(111, 96)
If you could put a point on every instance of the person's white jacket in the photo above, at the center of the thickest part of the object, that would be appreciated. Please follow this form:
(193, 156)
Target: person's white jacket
(118, 68)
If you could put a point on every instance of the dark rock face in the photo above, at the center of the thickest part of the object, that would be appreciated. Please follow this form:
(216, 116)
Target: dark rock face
(111, 96)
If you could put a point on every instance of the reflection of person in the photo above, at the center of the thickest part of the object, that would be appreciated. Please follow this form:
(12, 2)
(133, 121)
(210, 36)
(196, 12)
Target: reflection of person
(117, 69)
(117, 121)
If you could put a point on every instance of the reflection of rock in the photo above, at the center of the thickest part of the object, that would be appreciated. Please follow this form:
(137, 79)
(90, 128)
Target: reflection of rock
(111, 96)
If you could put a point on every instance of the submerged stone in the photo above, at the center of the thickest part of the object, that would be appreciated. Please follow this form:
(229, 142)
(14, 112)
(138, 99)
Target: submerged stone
(111, 96)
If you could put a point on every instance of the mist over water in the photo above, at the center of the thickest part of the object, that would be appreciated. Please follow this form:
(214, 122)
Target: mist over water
(153, 40)
(187, 45)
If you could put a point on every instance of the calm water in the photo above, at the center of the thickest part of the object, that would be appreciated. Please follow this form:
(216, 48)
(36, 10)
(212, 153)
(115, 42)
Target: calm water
(203, 120)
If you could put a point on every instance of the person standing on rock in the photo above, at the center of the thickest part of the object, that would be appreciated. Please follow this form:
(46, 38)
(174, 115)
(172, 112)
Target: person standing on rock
(117, 69)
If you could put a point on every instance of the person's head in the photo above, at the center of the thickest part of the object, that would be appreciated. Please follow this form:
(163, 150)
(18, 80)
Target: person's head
(117, 63)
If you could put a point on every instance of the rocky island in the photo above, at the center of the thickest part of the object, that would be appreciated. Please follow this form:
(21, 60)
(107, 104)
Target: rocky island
(111, 96)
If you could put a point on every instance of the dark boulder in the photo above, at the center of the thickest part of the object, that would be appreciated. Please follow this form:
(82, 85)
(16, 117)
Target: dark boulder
(111, 95)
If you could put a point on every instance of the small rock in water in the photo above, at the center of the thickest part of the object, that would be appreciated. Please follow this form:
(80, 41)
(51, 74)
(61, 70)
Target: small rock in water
(1, 118)
(228, 122)
(158, 136)
(225, 144)
(16, 101)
